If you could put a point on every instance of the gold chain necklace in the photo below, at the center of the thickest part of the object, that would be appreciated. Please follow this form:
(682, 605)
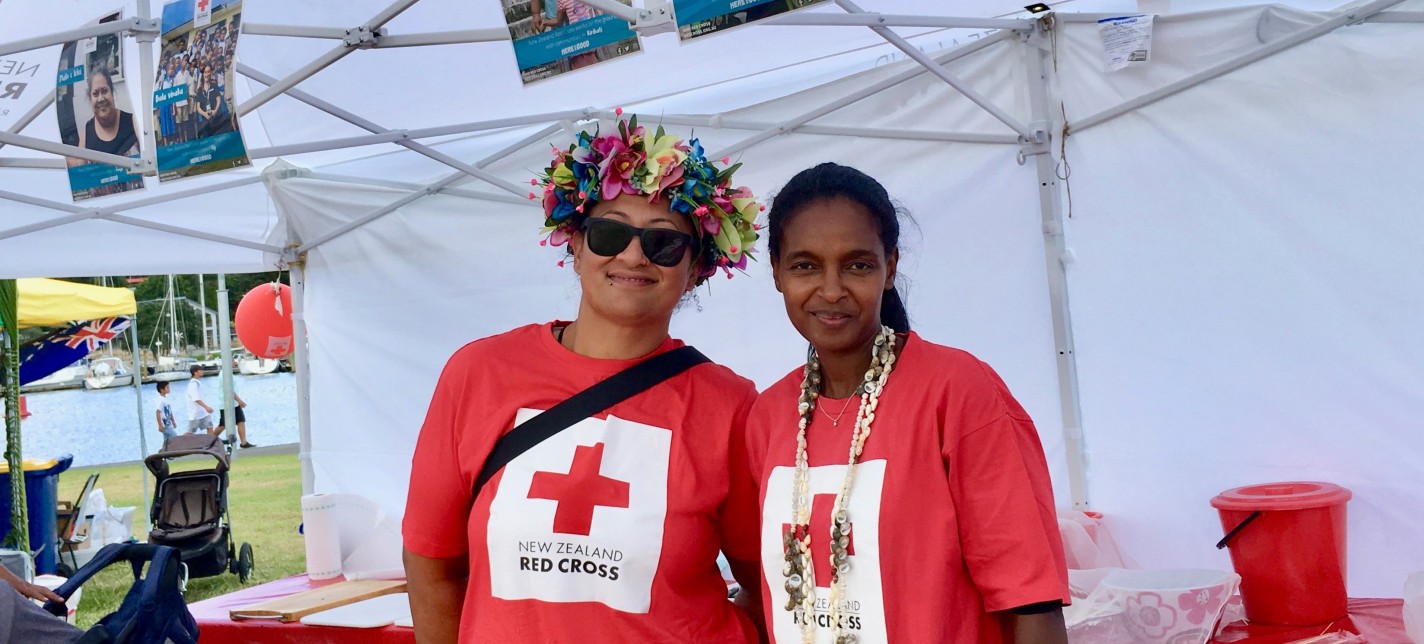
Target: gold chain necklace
(799, 569)
(836, 420)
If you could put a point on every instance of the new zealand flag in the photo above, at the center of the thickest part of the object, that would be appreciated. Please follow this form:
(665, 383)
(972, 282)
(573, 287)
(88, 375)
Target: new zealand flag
(42, 358)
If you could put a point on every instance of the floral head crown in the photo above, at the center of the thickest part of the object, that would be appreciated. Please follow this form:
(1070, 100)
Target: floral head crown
(663, 168)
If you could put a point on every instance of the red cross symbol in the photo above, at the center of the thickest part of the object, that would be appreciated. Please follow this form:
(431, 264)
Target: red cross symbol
(580, 491)
(202, 5)
(822, 507)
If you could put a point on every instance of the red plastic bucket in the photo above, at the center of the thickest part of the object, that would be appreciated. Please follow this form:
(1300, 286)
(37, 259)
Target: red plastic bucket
(1287, 542)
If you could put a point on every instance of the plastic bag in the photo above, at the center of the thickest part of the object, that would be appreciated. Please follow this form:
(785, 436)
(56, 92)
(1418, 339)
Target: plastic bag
(1142, 606)
(1087, 542)
(1414, 607)
(105, 524)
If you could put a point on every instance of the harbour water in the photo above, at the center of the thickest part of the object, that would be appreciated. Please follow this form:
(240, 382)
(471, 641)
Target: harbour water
(100, 427)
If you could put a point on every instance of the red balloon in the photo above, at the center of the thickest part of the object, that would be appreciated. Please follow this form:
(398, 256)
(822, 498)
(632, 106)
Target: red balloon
(264, 321)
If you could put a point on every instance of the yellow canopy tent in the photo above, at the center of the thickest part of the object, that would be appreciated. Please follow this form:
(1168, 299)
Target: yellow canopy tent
(47, 302)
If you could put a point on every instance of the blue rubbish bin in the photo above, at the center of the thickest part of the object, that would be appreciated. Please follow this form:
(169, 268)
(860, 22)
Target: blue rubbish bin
(42, 502)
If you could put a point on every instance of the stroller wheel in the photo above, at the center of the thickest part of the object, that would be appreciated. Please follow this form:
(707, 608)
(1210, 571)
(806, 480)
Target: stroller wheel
(244, 562)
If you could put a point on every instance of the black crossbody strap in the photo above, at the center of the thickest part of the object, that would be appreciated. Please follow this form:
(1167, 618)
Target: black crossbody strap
(619, 387)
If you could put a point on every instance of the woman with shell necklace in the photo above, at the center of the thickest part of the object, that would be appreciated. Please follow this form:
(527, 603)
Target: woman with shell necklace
(905, 495)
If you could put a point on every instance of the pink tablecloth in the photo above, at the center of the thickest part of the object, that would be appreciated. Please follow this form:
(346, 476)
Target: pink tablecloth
(1379, 621)
(215, 627)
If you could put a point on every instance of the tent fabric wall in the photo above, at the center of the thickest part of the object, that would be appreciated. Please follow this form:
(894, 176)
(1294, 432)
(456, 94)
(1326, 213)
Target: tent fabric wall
(1247, 290)
(388, 302)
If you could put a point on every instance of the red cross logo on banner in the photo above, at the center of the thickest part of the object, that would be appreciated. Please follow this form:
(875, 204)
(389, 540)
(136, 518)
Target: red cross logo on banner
(580, 491)
(822, 507)
(95, 334)
(202, 6)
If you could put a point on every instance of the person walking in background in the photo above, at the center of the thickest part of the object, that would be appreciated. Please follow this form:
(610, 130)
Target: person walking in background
(163, 414)
(239, 418)
(200, 413)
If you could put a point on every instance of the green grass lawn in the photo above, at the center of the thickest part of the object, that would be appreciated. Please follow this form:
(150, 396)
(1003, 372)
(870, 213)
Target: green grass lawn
(265, 497)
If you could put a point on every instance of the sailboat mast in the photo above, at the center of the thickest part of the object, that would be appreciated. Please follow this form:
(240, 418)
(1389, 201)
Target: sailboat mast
(203, 314)
(172, 320)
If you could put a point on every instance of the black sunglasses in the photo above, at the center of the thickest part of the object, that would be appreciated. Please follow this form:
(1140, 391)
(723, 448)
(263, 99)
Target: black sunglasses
(609, 237)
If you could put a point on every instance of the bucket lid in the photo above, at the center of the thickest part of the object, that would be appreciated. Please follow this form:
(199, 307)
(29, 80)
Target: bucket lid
(30, 464)
(1293, 495)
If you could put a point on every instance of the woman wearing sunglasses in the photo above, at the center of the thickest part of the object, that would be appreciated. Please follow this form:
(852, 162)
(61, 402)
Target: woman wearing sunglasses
(905, 493)
(608, 530)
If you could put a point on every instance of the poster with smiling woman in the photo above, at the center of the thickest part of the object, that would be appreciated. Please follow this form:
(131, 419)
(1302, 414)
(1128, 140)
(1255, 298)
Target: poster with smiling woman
(94, 113)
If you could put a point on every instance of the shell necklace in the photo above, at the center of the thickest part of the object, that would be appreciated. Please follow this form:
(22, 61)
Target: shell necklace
(800, 568)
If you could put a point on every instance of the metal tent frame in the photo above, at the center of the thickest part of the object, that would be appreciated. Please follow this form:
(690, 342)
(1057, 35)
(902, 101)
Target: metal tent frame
(1034, 140)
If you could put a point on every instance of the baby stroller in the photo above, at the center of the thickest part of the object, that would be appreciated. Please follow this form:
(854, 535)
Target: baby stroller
(190, 510)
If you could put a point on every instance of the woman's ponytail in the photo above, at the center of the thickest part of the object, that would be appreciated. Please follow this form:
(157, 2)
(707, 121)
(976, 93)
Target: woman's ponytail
(892, 311)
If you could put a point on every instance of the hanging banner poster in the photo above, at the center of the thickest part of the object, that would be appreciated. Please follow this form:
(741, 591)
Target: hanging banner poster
(92, 105)
(553, 37)
(697, 18)
(194, 115)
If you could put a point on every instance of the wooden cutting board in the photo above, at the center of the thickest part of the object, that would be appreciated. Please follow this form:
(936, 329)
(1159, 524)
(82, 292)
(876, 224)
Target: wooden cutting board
(294, 607)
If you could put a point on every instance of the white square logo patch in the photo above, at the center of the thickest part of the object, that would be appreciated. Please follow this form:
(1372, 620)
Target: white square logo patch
(862, 610)
(580, 516)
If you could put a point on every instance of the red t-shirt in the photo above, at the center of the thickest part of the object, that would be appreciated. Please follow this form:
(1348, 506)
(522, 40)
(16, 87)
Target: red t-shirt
(951, 511)
(605, 532)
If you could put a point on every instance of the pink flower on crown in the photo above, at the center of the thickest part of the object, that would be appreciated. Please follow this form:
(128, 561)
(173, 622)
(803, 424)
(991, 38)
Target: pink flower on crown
(618, 166)
(605, 147)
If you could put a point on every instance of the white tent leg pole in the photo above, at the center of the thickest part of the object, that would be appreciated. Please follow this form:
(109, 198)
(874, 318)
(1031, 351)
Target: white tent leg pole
(301, 364)
(225, 374)
(924, 59)
(142, 435)
(1050, 201)
(148, 152)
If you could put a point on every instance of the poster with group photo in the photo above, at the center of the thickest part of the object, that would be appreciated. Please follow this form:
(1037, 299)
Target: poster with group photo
(92, 106)
(194, 116)
(697, 18)
(553, 37)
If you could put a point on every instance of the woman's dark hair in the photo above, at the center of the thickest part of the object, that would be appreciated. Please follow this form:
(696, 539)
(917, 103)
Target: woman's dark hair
(108, 77)
(832, 181)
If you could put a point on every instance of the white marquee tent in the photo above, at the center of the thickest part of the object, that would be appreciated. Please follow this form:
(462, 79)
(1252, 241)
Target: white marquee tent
(1225, 290)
